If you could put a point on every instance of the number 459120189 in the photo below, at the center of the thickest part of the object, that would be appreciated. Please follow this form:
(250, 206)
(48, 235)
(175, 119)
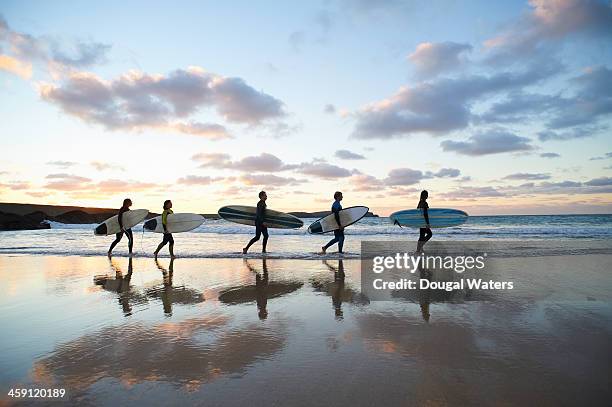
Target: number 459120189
(37, 393)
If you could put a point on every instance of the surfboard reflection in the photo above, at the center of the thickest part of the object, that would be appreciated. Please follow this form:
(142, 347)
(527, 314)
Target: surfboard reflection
(260, 292)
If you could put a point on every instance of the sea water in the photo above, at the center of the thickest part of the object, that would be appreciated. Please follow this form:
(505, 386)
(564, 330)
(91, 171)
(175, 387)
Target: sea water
(219, 238)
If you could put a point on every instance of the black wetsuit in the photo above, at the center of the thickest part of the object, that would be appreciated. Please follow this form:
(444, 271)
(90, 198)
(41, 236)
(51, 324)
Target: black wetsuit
(260, 229)
(338, 233)
(128, 232)
(424, 233)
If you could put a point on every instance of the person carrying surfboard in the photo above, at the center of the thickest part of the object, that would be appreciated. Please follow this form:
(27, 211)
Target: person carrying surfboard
(128, 232)
(424, 233)
(167, 235)
(260, 226)
(338, 233)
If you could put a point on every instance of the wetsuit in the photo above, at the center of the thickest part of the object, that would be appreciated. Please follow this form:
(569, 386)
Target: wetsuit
(167, 235)
(128, 232)
(338, 233)
(424, 233)
(260, 229)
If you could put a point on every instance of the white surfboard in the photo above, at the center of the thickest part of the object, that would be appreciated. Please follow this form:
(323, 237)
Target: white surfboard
(177, 223)
(348, 216)
(130, 219)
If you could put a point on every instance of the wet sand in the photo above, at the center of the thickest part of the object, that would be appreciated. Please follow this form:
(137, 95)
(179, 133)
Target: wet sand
(294, 332)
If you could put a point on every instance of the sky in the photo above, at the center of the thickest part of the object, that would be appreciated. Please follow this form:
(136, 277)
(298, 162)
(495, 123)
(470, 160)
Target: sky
(493, 107)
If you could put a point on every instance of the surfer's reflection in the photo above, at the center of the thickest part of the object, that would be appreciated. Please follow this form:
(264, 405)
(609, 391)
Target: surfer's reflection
(169, 294)
(425, 295)
(263, 289)
(119, 284)
(337, 289)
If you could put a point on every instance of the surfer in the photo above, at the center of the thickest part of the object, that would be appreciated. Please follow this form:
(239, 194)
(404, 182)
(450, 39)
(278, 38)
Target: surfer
(167, 235)
(338, 233)
(260, 226)
(424, 233)
(128, 232)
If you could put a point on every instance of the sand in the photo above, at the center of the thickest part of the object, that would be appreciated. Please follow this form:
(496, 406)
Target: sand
(225, 332)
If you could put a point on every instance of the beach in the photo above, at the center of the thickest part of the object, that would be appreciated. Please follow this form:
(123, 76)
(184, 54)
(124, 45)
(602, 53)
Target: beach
(229, 331)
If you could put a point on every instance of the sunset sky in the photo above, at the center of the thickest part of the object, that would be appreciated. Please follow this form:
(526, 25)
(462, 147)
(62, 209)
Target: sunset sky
(494, 107)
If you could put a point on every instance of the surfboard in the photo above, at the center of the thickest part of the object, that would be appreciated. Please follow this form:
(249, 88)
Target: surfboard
(438, 218)
(348, 216)
(111, 225)
(246, 215)
(177, 223)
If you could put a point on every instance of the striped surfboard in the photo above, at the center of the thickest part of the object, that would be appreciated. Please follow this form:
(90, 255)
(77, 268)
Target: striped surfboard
(246, 216)
(438, 218)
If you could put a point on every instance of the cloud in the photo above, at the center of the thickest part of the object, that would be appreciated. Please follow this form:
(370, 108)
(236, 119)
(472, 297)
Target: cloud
(527, 176)
(329, 108)
(431, 59)
(85, 54)
(493, 142)
(66, 182)
(323, 170)
(599, 182)
(264, 162)
(297, 40)
(116, 185)
(573, 134)
(604, 157)
(137, 100)
(439, 106)
(447, 173)
(365, 182)
(61, 164)
(15, 66)
(550, 155)
(549, 21)
(212, 131)
(270, 180)
(75, 183)
(467, 192)
(27, 50)
(197, 180)
(102, 166)
(348, 155)
(15, 185)
(404, 176)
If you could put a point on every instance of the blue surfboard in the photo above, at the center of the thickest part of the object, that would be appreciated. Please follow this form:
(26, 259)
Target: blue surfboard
(438, 218)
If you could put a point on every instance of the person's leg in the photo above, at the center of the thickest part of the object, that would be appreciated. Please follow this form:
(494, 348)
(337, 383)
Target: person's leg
(264, 232)
(340, 237)
(130, 239)
(331, 242)
(428, 235)
(421, 242)
(253, 240)
(171, 245)
(161, 245)
(118, 237)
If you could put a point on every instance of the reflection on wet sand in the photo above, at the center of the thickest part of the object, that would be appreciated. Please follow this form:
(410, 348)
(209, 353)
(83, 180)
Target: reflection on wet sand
(188, 353)
(260, 292)
(337, 290)
(121, 285)
(170, 294)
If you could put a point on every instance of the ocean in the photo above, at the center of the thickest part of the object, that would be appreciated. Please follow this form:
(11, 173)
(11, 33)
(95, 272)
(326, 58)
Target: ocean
(222, 239)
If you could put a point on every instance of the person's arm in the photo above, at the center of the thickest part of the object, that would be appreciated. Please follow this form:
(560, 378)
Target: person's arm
(337, 215)
(165, 221)
(260, 214)
(120, 218)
